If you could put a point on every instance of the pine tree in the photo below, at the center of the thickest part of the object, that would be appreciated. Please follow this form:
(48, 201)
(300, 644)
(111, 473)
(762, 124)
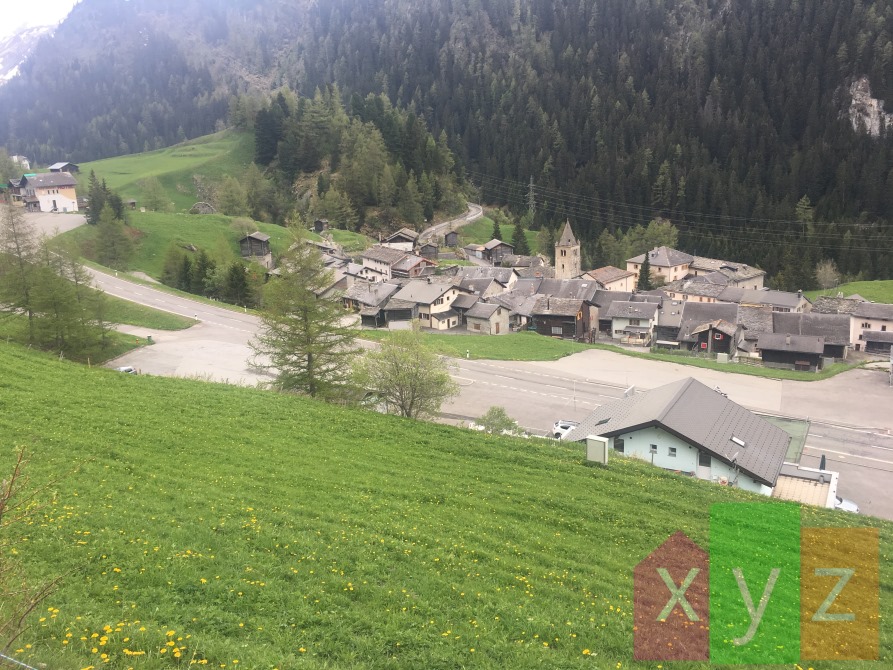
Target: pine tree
(645, 283)
(519, 240)
(302, 338)
(114, 248)
(236, 290)
(497, 233)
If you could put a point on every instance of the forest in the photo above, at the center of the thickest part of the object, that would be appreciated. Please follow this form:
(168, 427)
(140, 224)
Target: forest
(729, 119)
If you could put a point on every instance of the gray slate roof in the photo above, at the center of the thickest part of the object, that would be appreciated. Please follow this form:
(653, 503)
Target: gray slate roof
(257, 235)
(835, 328)
(608, 274)
(421, 292)
(492, 244)
(479, 285)
(797, 344)
(465, 301)
(877, 335)
(603, 299)
(700, 416)
(755, 320)
(760, 297)
(631, 310)
(567, 238)
(49, 179)
(663, 257)
(517, 302)
(384, 254)
(403, 232)
(370, 293)
(695, 287)
(577, 289)
(874, 310)
(695, 314)
(548, 306)
(825, 304)
(409, 261)
(731, 270)
(482, 310)
(502, 275)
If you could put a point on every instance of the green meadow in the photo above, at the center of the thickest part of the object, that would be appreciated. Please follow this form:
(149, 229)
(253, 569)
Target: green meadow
(212, 156)
(876, 291)
(199, 524)
(480, 231)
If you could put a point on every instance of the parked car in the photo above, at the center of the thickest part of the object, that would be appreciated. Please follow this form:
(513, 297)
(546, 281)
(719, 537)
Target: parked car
(562, 427)
(127, 369)
(846, 505)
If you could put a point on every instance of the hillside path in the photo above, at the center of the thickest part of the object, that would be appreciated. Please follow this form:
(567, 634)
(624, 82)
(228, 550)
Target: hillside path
(432, 232)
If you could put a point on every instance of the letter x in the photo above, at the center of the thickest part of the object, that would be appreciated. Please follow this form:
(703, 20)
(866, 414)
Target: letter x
(678, 594)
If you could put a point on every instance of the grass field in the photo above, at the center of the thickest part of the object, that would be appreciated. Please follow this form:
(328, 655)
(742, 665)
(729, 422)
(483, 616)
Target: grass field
(876, 291)
(131, 314)
(212, 156)
(210, 232)
(237, 528)
(14, 329)
(528, 346)
(481, 232)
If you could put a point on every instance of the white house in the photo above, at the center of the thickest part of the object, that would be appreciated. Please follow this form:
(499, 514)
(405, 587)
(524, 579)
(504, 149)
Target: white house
(692, 429)
(434, 300)
(49, 192)
(871, 327)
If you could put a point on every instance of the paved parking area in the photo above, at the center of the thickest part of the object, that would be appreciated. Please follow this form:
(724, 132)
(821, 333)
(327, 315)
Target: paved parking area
(55, 224)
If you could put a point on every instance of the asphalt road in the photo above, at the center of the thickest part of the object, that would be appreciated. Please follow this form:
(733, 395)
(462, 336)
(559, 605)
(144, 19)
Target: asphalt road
(474, 212)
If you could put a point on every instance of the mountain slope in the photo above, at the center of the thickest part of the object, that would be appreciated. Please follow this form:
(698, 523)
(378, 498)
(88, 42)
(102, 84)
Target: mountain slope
(15, 48)
(721, 116)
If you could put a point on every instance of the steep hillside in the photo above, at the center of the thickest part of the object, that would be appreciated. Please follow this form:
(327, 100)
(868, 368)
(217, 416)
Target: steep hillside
(240, 525)
(15, 49)
(721, 116)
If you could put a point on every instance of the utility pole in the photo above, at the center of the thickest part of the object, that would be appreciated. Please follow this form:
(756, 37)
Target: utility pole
(531, 198)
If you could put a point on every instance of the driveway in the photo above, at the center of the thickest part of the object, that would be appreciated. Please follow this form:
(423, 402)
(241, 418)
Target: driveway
(55, 224)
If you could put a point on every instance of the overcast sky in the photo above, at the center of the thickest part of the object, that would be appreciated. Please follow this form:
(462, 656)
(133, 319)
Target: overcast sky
(42, 13)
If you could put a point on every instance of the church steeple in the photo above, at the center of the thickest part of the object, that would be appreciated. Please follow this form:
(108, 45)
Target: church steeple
(567, 254)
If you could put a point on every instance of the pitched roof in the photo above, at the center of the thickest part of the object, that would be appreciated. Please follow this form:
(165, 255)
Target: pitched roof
(604, 298)
(482, 310)
(443, 316)
(631, 310)
(383, 254)
(516, 261)
(408, 233)
(409, 261)
(479, 285)
(492, 244)
(59, 166)
(257, 235)
(663, 257)
(693, 287)
(48, 179)
(702, 417)
(567, 238)
(731, 270)
(721, 325)
(502, 275)
(609, 274)
(548, 306)
(835, 328)
(517, 301)
(761, 297)
(797, 344)
(422, 292)
(826, 304)
(696, 314)
(756, 320)
(370, 292)
(874, 310)
(578, 289)
(877, 335)
(465, 301)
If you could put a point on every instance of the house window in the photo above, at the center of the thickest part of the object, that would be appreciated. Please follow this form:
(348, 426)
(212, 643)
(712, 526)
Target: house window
(653, 449)
(557, 330)
(704, 460)
(883, 327)
(439, 301)
(866, 325)
(477, 326)
(564, 252)
(634, 322)
(425, 316)
(618, 445)
(672, 452)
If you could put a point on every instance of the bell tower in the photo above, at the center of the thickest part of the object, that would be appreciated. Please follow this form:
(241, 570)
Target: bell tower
(567, 254)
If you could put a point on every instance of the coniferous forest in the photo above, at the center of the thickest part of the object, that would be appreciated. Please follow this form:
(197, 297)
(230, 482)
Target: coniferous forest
(731, 119)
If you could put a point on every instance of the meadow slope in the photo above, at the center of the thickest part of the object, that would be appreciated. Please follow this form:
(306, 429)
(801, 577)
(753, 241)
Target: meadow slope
(235, 528)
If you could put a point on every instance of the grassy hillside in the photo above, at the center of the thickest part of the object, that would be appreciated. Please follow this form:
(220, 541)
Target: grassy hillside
(481, 232)
(876, 291)
(212, 156)
(244, 529)
(212, 232)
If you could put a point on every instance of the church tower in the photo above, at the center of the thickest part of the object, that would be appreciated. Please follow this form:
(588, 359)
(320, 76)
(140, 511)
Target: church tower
(567, 254)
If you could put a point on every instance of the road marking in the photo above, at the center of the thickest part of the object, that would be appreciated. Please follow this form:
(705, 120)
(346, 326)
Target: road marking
(844, 454)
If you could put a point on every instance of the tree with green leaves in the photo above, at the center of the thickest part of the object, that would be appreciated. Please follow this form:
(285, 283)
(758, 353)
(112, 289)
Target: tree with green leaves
(18, 259)
(303, 338)
(114, 246)
(497, 421)
(406, 374)
(496, 234)
(519, 240)
(154, 196)
(645, 281)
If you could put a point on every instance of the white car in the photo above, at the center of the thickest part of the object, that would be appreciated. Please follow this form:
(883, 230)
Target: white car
(846, 505)
(127, 369)
(562, 427)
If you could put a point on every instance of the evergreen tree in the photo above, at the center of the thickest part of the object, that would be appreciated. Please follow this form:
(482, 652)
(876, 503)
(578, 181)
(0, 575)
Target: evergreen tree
(114, 247)
(496, 234)
(645, 281)
(18, 258)
(519, 240)
(237, 291)
(302, 336)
